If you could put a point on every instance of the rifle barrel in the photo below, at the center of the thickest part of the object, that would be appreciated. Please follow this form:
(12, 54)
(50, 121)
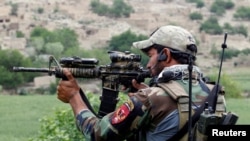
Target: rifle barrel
(24, 69)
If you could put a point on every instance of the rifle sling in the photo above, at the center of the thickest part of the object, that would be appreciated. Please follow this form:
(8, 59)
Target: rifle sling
(85, 99)
(197, 113)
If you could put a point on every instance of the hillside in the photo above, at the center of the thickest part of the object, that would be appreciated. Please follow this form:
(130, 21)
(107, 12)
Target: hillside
(95, 31)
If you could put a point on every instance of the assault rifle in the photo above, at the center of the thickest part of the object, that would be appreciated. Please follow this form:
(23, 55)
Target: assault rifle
(124, 67)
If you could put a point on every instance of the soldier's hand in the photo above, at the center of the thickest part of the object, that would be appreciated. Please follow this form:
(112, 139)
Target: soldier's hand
(135, 85)
(138, 86)
(67, 89)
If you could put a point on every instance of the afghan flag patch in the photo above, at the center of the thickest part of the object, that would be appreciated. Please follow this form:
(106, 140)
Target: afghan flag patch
(122, 113)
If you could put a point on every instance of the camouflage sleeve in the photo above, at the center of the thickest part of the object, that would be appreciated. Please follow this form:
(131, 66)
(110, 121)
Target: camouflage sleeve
(115, 126)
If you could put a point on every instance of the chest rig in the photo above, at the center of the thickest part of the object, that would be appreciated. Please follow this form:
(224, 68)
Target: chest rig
(167, 80)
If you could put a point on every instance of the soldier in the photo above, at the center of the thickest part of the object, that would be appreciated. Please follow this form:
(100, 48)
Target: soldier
(153, 111)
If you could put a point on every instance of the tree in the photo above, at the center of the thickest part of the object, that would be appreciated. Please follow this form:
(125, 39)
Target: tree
(117, 10)
(37, 43)
(211, 26)
(124, 41)
(10, 58)
(40, 10)
(232, 88)
(40, 32)
(242, 12)
(200, 4)
(219, 6)
(195, 16)
(67, 37)
(54, 48)
(241, 30)
(120, 9)
(99, 8)
(19, 34)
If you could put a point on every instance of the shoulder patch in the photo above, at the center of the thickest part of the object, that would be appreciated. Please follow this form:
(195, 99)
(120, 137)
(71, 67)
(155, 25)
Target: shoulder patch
(122, 113)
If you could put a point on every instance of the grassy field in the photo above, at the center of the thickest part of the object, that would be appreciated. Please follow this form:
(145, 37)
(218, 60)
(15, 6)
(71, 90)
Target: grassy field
(242, 76)
(19, 115)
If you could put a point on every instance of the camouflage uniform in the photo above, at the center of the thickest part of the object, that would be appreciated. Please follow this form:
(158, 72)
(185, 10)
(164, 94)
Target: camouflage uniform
(152, 111)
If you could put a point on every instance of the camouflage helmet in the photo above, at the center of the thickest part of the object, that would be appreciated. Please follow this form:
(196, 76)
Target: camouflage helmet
(169, 36)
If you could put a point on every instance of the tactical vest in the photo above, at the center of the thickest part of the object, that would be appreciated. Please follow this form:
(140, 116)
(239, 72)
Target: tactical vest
(178, 93)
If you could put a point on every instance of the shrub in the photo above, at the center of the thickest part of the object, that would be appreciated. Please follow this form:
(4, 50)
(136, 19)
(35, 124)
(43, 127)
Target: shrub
(241, 30)
(117, 10)
(40, 10)
(228, 54)
(219, 6)
(200, 4)
(19, 34)
(195, 16)
(60, 127)
(211, 26)
(10, 58)
(242, 13)
(231, 87)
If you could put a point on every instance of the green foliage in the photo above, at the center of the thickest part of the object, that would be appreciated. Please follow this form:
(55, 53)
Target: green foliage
(64, 39)
(219, 6)
(19, 34)
(200, 4)
(38, 43)
(217, 9)
(10, 58)
(144, 57)
(229, 4)
(195, 16)
(40, 32)
(60, 127)
(54, 49)
(241, 30)
(242, 12)
(117, 10)
(211, 26)
(17, 126)
(123, 42)
(229, 28)
(246, 51)
(232, 88)
(235, 30)
(120, 9)
(99, 8)
(40, 10)
(93, 53)
(67, 37)
(229, 53)
(194, 1)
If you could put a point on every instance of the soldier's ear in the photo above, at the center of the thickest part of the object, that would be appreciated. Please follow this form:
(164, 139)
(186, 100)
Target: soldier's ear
(162, 56)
